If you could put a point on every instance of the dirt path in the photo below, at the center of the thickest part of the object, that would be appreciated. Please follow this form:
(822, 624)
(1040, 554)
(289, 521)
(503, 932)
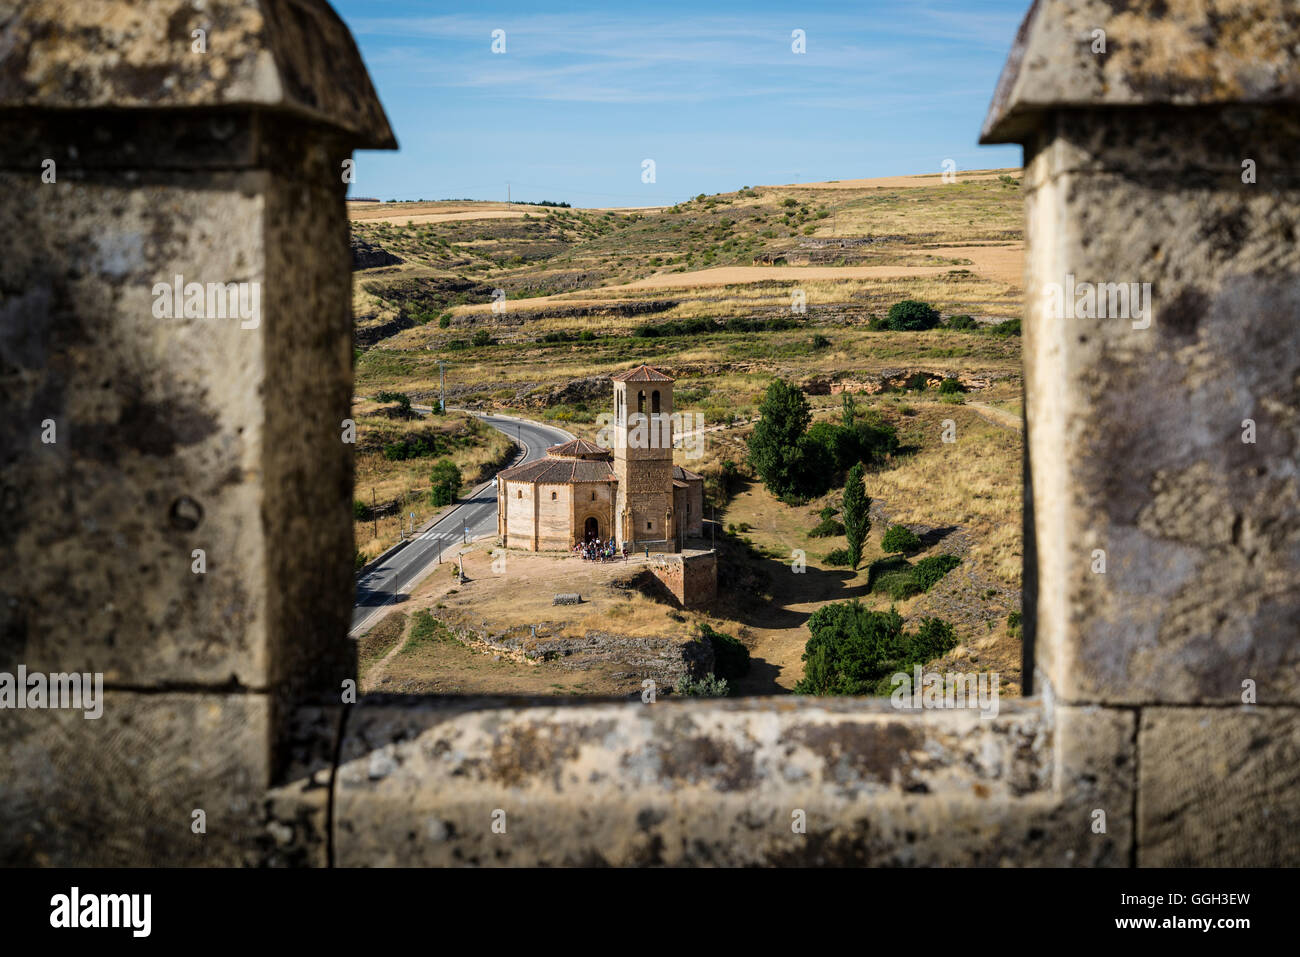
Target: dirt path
(995, 415)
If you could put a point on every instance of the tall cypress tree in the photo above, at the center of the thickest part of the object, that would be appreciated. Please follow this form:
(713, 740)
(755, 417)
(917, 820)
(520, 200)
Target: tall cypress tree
(857, 509)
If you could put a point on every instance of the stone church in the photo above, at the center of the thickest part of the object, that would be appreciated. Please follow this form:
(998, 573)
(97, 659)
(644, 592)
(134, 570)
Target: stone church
(581, 491)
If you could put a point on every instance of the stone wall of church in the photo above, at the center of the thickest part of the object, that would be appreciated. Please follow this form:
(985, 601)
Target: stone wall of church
(519, 515)
(554, 517)
(593, 500)
(690, 508)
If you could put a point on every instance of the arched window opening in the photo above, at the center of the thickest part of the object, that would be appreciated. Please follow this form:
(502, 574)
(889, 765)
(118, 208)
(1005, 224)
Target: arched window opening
(552, 496)
(640, 401)
(654, 401)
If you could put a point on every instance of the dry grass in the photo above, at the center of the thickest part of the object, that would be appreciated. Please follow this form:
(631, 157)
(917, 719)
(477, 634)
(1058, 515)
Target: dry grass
(476, 449)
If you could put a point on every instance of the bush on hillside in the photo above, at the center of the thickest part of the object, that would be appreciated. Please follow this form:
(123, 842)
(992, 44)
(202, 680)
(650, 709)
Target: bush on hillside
(854, 651)
(900, 538)
(911, 315)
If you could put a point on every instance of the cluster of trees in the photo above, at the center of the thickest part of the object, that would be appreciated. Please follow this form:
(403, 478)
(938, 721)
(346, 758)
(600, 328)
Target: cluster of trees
(854, 651)
(912, 315)
(796, 461)
(690, 327)
(418, 446)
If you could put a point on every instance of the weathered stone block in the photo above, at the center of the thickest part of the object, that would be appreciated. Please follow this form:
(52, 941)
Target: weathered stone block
(730, 783)
(1219, 787)
(122, 789)
(1162, 448)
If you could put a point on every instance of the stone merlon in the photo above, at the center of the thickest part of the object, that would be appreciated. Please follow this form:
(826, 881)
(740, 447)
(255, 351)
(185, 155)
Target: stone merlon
(292, 56)
(1157, 53)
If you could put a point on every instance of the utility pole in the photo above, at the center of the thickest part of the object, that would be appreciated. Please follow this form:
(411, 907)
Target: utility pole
(374, 510)
(507, 192)
(442, 388)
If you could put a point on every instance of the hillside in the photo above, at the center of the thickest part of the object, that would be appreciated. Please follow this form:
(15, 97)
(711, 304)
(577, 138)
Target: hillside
(705, 290)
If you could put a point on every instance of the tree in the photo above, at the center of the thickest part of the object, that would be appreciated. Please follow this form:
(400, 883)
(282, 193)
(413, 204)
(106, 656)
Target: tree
(850, 410)
(857, 517)
(911, 315)
(446, 483)
(776, 446)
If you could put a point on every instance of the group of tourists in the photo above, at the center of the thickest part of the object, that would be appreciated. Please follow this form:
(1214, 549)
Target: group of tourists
(594, 550)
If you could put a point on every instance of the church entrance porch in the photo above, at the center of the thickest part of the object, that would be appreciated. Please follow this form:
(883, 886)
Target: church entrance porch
(591, 530)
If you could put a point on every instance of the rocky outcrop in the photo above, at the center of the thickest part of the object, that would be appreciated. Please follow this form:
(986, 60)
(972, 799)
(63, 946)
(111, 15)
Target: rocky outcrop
(666, 659)
(586, 389)
(369, 256)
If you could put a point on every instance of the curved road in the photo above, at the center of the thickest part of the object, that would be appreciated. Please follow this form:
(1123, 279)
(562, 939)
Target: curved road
(474, 516)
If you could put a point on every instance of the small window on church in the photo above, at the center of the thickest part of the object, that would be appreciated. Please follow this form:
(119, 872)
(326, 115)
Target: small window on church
(654, 401)
(552, 496)
(647, 526)
(640, 401)
(520, 493)
(593, 496)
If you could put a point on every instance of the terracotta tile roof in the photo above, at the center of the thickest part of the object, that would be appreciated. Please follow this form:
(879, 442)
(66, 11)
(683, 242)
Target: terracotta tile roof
(578, 449)
(549, 471)
(642, 373)
(686, 475)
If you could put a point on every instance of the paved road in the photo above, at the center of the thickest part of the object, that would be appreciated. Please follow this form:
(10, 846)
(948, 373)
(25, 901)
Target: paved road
(475, 516)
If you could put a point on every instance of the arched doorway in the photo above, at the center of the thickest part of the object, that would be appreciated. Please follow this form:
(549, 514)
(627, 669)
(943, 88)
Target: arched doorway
(591, 529)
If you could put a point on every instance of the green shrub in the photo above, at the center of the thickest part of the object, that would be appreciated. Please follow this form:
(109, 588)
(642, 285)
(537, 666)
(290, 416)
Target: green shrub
(1010, 327)
(482, 338)
(854, 651)
(1013, 625)
(911, 315)
(899, 538)
(898, 585)
(820, 342)
(730, 656)
(949, 386)
(828, 511)
(710, 686)
(900, 579)
(359, 509)
(839, 558)
(962, 322)
(928, 571)
(444, 321)
(402, 400)
(827, 528)
(412, 447)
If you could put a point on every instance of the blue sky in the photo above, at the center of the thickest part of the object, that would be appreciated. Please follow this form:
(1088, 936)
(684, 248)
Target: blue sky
(713, 93)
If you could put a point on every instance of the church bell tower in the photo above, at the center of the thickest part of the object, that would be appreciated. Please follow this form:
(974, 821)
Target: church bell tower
(643, 457)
